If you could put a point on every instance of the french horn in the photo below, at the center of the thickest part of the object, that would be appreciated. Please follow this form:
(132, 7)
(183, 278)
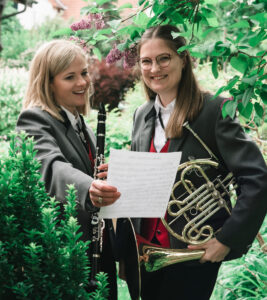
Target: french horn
(194, 207)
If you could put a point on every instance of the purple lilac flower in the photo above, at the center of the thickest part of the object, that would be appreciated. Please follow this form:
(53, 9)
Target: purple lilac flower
(99, 24)
(130, 56)
(91, 20)
(114, 55)
(83, 24)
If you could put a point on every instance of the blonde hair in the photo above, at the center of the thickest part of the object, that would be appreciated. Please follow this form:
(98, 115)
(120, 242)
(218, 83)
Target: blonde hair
(189, 98)
(51, 59)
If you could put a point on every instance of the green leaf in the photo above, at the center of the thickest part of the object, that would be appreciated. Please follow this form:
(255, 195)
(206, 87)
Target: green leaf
(250, 80)
(206, 32)
(263, 95)
(247, 96)
(261, 17)
(197, 54)
(100, 37)
(232, 82)
(214, 67)
(114, 24)
(152, 21)
(257, 39)
(259, 110)
(181, 49)
(220, 90)
(104, 31)
(208, 13)
(140, 2)
(240, 24)
(177, 18)
(213, 22)
(240, 62)
(264, 87)
(245, 111)
(156, 8)
(224, 4)
(229, 108)
(141, 19)
(61, 32)
(97, 52)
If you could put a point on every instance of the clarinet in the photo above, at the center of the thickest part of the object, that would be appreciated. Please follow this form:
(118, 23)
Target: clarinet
(97, 225)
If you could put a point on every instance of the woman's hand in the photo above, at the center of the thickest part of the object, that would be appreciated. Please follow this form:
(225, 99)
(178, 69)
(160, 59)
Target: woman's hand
(103, 171)
(215, 251)
(103, 194)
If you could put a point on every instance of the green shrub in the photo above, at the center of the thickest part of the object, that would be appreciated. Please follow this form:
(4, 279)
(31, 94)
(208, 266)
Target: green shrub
(12, 86)
(41, 256)
(246, 277)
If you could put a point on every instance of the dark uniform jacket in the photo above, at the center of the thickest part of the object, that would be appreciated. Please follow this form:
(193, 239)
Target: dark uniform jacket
(235, 152)
(64, 160)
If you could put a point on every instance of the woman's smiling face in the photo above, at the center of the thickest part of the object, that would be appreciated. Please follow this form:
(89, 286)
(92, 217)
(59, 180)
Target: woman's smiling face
(70, 86)
(161, 80)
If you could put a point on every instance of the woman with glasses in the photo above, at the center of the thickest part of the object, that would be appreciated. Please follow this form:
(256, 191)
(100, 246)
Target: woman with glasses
(178, 116)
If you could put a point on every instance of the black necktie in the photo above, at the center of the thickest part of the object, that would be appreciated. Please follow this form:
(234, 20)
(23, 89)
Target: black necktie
(82, 134)
(160, 119)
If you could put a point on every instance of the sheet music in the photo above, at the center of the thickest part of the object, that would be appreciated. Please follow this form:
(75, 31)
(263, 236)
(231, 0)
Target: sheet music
(145, 181)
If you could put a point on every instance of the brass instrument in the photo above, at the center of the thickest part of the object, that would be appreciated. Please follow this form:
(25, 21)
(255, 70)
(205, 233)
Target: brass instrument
(192, 204)
(195, 206)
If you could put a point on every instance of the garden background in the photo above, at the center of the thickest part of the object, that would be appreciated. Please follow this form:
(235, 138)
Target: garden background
(227, 40)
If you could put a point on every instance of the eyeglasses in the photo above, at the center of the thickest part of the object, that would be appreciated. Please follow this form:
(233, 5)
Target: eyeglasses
(162, 60)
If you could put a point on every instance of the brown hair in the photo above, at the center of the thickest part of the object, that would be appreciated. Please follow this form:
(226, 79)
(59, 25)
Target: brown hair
(189, 98)
(51, 59)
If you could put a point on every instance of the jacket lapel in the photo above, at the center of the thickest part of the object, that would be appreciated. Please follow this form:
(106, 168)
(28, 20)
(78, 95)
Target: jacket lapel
(177, 143)
(148, 129)
(77, 143)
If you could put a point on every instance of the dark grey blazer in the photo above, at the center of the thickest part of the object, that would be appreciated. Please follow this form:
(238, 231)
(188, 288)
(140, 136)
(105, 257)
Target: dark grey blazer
(236, 154)
(63, 159)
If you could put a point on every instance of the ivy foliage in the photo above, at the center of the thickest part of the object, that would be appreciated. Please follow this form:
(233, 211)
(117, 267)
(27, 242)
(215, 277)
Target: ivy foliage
(227, 32)
(41, 255)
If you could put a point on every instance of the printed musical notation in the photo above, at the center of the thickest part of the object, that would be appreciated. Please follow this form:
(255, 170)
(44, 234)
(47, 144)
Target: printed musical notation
(145, 181)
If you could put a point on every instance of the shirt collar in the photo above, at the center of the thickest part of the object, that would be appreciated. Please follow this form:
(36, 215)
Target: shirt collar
(165, 110)
(73, 119)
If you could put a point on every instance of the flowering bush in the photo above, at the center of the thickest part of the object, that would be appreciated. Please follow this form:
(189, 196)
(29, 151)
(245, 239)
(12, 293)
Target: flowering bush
(110, 83)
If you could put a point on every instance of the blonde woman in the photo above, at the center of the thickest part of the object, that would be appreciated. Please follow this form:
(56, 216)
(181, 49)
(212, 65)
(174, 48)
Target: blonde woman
(56, 98)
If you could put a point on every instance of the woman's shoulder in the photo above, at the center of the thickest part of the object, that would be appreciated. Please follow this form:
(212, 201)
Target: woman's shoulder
(33, 110)
(36, 115)
(211, 105)
(145, 108)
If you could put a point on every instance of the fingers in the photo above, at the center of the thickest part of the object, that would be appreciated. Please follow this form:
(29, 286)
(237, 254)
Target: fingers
(203, 259)
(103, 167)
(214, 250)
(102, 175)
(103, 171)
(103, 194)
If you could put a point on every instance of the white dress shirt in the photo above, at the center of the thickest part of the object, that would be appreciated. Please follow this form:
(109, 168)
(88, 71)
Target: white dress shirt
(159, 137)
(74, 120)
